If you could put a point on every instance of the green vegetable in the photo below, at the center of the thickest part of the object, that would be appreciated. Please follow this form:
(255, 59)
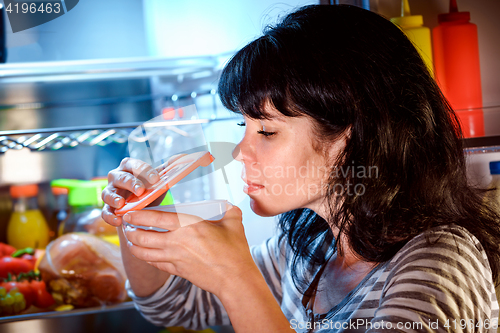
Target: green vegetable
(19, 253)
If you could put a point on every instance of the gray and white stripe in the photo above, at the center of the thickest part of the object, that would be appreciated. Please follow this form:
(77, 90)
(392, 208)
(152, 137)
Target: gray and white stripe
(448, 281)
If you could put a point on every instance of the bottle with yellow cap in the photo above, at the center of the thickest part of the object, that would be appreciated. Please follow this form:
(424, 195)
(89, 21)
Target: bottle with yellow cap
(413, 27)
(27, 226)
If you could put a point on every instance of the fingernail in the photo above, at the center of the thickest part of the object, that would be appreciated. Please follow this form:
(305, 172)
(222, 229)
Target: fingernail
(115, 220)
(129, 244)
(136, 187)
(127, 217)
(152, 177)
(117, 200)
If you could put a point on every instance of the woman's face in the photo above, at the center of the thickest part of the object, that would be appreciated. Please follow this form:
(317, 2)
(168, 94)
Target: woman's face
(281, 169)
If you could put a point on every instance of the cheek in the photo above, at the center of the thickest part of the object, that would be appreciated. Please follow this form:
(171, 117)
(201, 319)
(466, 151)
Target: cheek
(303, 180)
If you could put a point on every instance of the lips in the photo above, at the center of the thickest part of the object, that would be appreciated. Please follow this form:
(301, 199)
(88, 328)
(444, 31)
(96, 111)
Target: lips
(251, 187)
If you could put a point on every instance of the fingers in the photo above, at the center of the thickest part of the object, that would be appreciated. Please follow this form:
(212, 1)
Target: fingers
(146, 239)
(132, 176)
(233, 212)
(108, 216)
(148, 255)
(158, 219)
(150, 246)
(111, 196)
(140, 169)
(171, 160)
(119, 179)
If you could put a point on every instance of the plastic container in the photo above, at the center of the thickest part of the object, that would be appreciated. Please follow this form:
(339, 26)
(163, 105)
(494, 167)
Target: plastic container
(170, 176)
(187, 213)
(27, 227)
(493, 196)
(209, 210)
(413, 27)
(85, 213)
(456, 68)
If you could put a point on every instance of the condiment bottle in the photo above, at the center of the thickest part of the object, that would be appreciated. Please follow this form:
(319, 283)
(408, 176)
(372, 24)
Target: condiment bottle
(84, 200)
(27, 226)
(413, 27)
(61, 210)
(456, 67)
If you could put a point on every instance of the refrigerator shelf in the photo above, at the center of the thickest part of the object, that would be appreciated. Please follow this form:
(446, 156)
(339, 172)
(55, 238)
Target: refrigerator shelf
(44, 139)
(59, 314)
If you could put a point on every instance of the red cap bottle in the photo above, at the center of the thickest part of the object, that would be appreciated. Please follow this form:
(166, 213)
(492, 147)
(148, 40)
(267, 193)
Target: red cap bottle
(456, 67)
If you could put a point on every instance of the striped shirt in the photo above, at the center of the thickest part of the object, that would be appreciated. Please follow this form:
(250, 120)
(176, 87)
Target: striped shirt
(442, 286)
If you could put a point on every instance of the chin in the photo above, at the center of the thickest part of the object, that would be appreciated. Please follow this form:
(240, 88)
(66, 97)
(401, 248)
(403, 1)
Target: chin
(264, 210)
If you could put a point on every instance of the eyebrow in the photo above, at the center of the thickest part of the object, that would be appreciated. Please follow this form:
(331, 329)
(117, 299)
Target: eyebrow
(267, 116)
(278, 117)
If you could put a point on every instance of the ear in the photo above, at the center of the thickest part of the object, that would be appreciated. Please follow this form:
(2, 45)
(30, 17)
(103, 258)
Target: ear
(337, 146)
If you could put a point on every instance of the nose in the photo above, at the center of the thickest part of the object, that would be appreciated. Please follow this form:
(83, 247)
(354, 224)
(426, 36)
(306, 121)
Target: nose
(244, 151)
(237, 153)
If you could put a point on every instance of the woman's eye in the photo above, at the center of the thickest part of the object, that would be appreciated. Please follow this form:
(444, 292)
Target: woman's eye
(266, 134)
(241, 124)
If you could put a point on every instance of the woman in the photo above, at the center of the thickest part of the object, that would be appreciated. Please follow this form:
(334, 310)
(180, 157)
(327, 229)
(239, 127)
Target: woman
(380, 231)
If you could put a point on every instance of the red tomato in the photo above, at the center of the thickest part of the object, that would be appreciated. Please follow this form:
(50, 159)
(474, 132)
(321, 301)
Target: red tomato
(24, 288)
(43, 298)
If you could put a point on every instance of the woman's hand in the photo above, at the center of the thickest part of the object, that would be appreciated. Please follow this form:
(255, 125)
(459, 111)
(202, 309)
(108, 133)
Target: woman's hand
(215, 257)
(131, 176)
(212, 255)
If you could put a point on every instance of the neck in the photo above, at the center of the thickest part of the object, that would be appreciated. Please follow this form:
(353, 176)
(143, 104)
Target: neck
(348, 257)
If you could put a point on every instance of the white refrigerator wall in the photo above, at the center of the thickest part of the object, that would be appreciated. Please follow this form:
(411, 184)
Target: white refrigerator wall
(197, 27)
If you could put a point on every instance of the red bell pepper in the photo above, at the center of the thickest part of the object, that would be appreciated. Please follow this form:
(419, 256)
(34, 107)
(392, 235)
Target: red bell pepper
(6, 250)
(14, 266)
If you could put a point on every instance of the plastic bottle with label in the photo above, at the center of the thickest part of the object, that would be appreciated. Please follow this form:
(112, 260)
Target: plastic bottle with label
(413, 27)
(493, 196)
(85, 206)
(456, 68)
(27, 226)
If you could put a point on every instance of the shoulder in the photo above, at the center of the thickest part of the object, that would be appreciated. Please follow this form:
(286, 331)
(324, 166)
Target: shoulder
(444, 270)
(448, 245)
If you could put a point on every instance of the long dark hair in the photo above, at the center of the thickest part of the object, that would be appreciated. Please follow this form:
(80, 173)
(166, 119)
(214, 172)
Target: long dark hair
(353, 71)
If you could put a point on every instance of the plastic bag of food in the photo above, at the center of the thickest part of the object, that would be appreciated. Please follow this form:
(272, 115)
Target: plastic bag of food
(83, 270)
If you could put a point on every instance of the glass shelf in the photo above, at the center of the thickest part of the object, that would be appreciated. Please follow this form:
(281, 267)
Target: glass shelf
(71, 137)
(491, 141)
(75, 312)
(106, 69)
